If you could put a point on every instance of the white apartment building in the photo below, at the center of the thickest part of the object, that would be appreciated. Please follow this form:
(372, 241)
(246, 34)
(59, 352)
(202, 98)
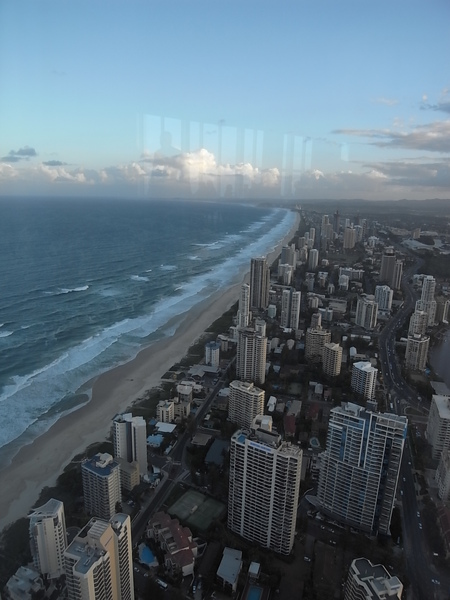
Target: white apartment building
(349, 238)
(315, 340)
(259, 283)
(48, 538)
(360, 467)
(130, 440)
(290, 309)
(165, 411)
(366, 581)
(418, 323)
(313, 259)
(416, 354)
(212, 354)
(245, 402)
(364, 379)
(332, 359)
(251, 354)
(99, 561)
(383, 297)
(101, 485)
(244, 315)
(264, 486)
(427, 301)
(366, 311)
(443, 476)
(438, 426)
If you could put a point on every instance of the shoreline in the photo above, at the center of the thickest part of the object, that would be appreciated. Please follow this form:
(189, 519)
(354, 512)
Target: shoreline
(39, 464)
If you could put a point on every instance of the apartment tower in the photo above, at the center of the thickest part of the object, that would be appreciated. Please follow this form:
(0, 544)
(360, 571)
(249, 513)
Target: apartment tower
(48, 538)
(332, 359)
(438, 426)
(251, 353)
(264, 486)
(427, 301)
(130, 440)
(101, 485)
(243, 317)
(366, 581)
(416, 354)
(366, 311)
(99, 561)
(259, 283)
(364, 379)
(315, 340)
(360, 467)
(290, 308)
(245, 402)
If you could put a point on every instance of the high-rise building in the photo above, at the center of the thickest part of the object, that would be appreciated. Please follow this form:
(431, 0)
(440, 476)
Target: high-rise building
(290, 308)
(438, 426)
(315, 341)
(418, 323)
(288, 255)
(264, 485)
(366, 311)
(336, 222)
(366, 581)
(416, 354)
(212, 354)
(349, 238)
(427, 301)
(101, 485)
(245, 403)
(443, 476)
(396, 281)
(259, 283)
(383, 297)
(313, 259)
(99, 561)
(251, 355)
(130, 440)
(48, 538)
(364, 379)
(360, 467)
(387, 265)
(332, 359)
(243, 319)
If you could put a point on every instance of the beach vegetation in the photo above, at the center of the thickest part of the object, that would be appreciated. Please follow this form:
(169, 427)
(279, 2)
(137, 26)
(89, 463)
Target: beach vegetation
(14, 549)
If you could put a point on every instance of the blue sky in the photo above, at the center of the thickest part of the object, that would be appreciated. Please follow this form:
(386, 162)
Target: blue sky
(249, 98)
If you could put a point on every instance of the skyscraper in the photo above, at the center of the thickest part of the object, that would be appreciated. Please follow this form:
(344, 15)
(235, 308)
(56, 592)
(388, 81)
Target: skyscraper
(101, 485)
(416, 354)
(349, 238)
(364, 379)
(259, 283)
(313, 259)
(438, 426)
(418, 323)
(290, 308)
(99, 561)
(316, 338)
(245, 402)
(263, 488)
(332, 359)
(366, 311)
(130, 440)
(251, 355)
(48, 538)
(243, 319)
(427, 301)
(387, 265)
(383, 297)
(360, 467)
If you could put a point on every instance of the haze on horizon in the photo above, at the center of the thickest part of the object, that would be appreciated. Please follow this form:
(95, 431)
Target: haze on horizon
(253, 99)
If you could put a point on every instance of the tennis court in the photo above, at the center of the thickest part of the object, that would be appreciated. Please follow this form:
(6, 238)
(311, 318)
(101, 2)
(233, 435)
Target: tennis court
(197, 510)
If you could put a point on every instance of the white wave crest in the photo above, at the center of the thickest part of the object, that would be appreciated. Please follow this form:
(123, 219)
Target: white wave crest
(4, 334)
(81, 288)
(168, 267)
(138, 278)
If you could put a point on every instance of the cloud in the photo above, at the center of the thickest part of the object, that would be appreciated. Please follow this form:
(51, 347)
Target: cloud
(24, 153)
(54, 163)
(433, 137)
(440, 106)
(386, 101)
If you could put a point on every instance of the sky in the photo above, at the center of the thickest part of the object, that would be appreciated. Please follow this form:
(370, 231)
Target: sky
(293, 100)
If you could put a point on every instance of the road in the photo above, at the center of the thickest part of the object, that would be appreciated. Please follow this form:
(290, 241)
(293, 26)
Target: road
(419, 565)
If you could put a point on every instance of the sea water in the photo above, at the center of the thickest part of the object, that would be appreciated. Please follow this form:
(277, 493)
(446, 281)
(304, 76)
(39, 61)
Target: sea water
(86, 284)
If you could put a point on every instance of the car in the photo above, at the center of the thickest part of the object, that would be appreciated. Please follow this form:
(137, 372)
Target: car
(420, 525)
(404, 478)
(401, 492)
(418, 514)
(145, 574)
(436, 581)
(306, 559)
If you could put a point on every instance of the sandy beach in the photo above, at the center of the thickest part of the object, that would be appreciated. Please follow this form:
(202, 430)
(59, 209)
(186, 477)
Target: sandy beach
(38, 464)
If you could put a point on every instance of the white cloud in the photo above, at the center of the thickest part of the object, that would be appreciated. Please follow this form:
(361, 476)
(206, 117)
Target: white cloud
(386, 101)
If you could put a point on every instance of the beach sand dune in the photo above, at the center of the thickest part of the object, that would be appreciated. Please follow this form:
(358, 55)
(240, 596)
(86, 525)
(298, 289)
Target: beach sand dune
(39, 464)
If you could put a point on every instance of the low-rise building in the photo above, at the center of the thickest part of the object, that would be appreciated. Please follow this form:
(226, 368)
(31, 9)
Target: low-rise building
(366, 581)
(175, 541)
(229, 569)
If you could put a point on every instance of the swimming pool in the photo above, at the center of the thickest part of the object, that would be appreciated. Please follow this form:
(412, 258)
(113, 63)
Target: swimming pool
(254, 593)
(146, 555)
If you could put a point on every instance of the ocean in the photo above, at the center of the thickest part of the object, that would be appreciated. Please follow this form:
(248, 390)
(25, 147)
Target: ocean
(86, 284)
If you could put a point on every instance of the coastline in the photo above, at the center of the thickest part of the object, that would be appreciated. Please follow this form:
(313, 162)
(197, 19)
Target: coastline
(39, 464)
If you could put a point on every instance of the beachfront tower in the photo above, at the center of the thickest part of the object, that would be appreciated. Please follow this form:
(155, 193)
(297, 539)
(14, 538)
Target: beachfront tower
(212, 355)
(243, 318)
(360, 467)
(99, 561)
(101, 485)
(263, 487)
(259, 283)
(48, 538)
(130, 440)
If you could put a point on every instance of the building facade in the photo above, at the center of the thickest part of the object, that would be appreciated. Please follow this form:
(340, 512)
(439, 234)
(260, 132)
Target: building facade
(245, 402)
(366, 311)
(360, 467)
(383, 297)
(48, 538)
(332, 359)
(243, 317)
(315, 340)
(364, 379)
(259, 283)
(99, 561)
(366, 581)
(290, 309)
(438, 426)
(101, 485)
(264, 486)
(416, 354)
(130, 440)
(418, 323)
(251, 355)
(427, 301)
